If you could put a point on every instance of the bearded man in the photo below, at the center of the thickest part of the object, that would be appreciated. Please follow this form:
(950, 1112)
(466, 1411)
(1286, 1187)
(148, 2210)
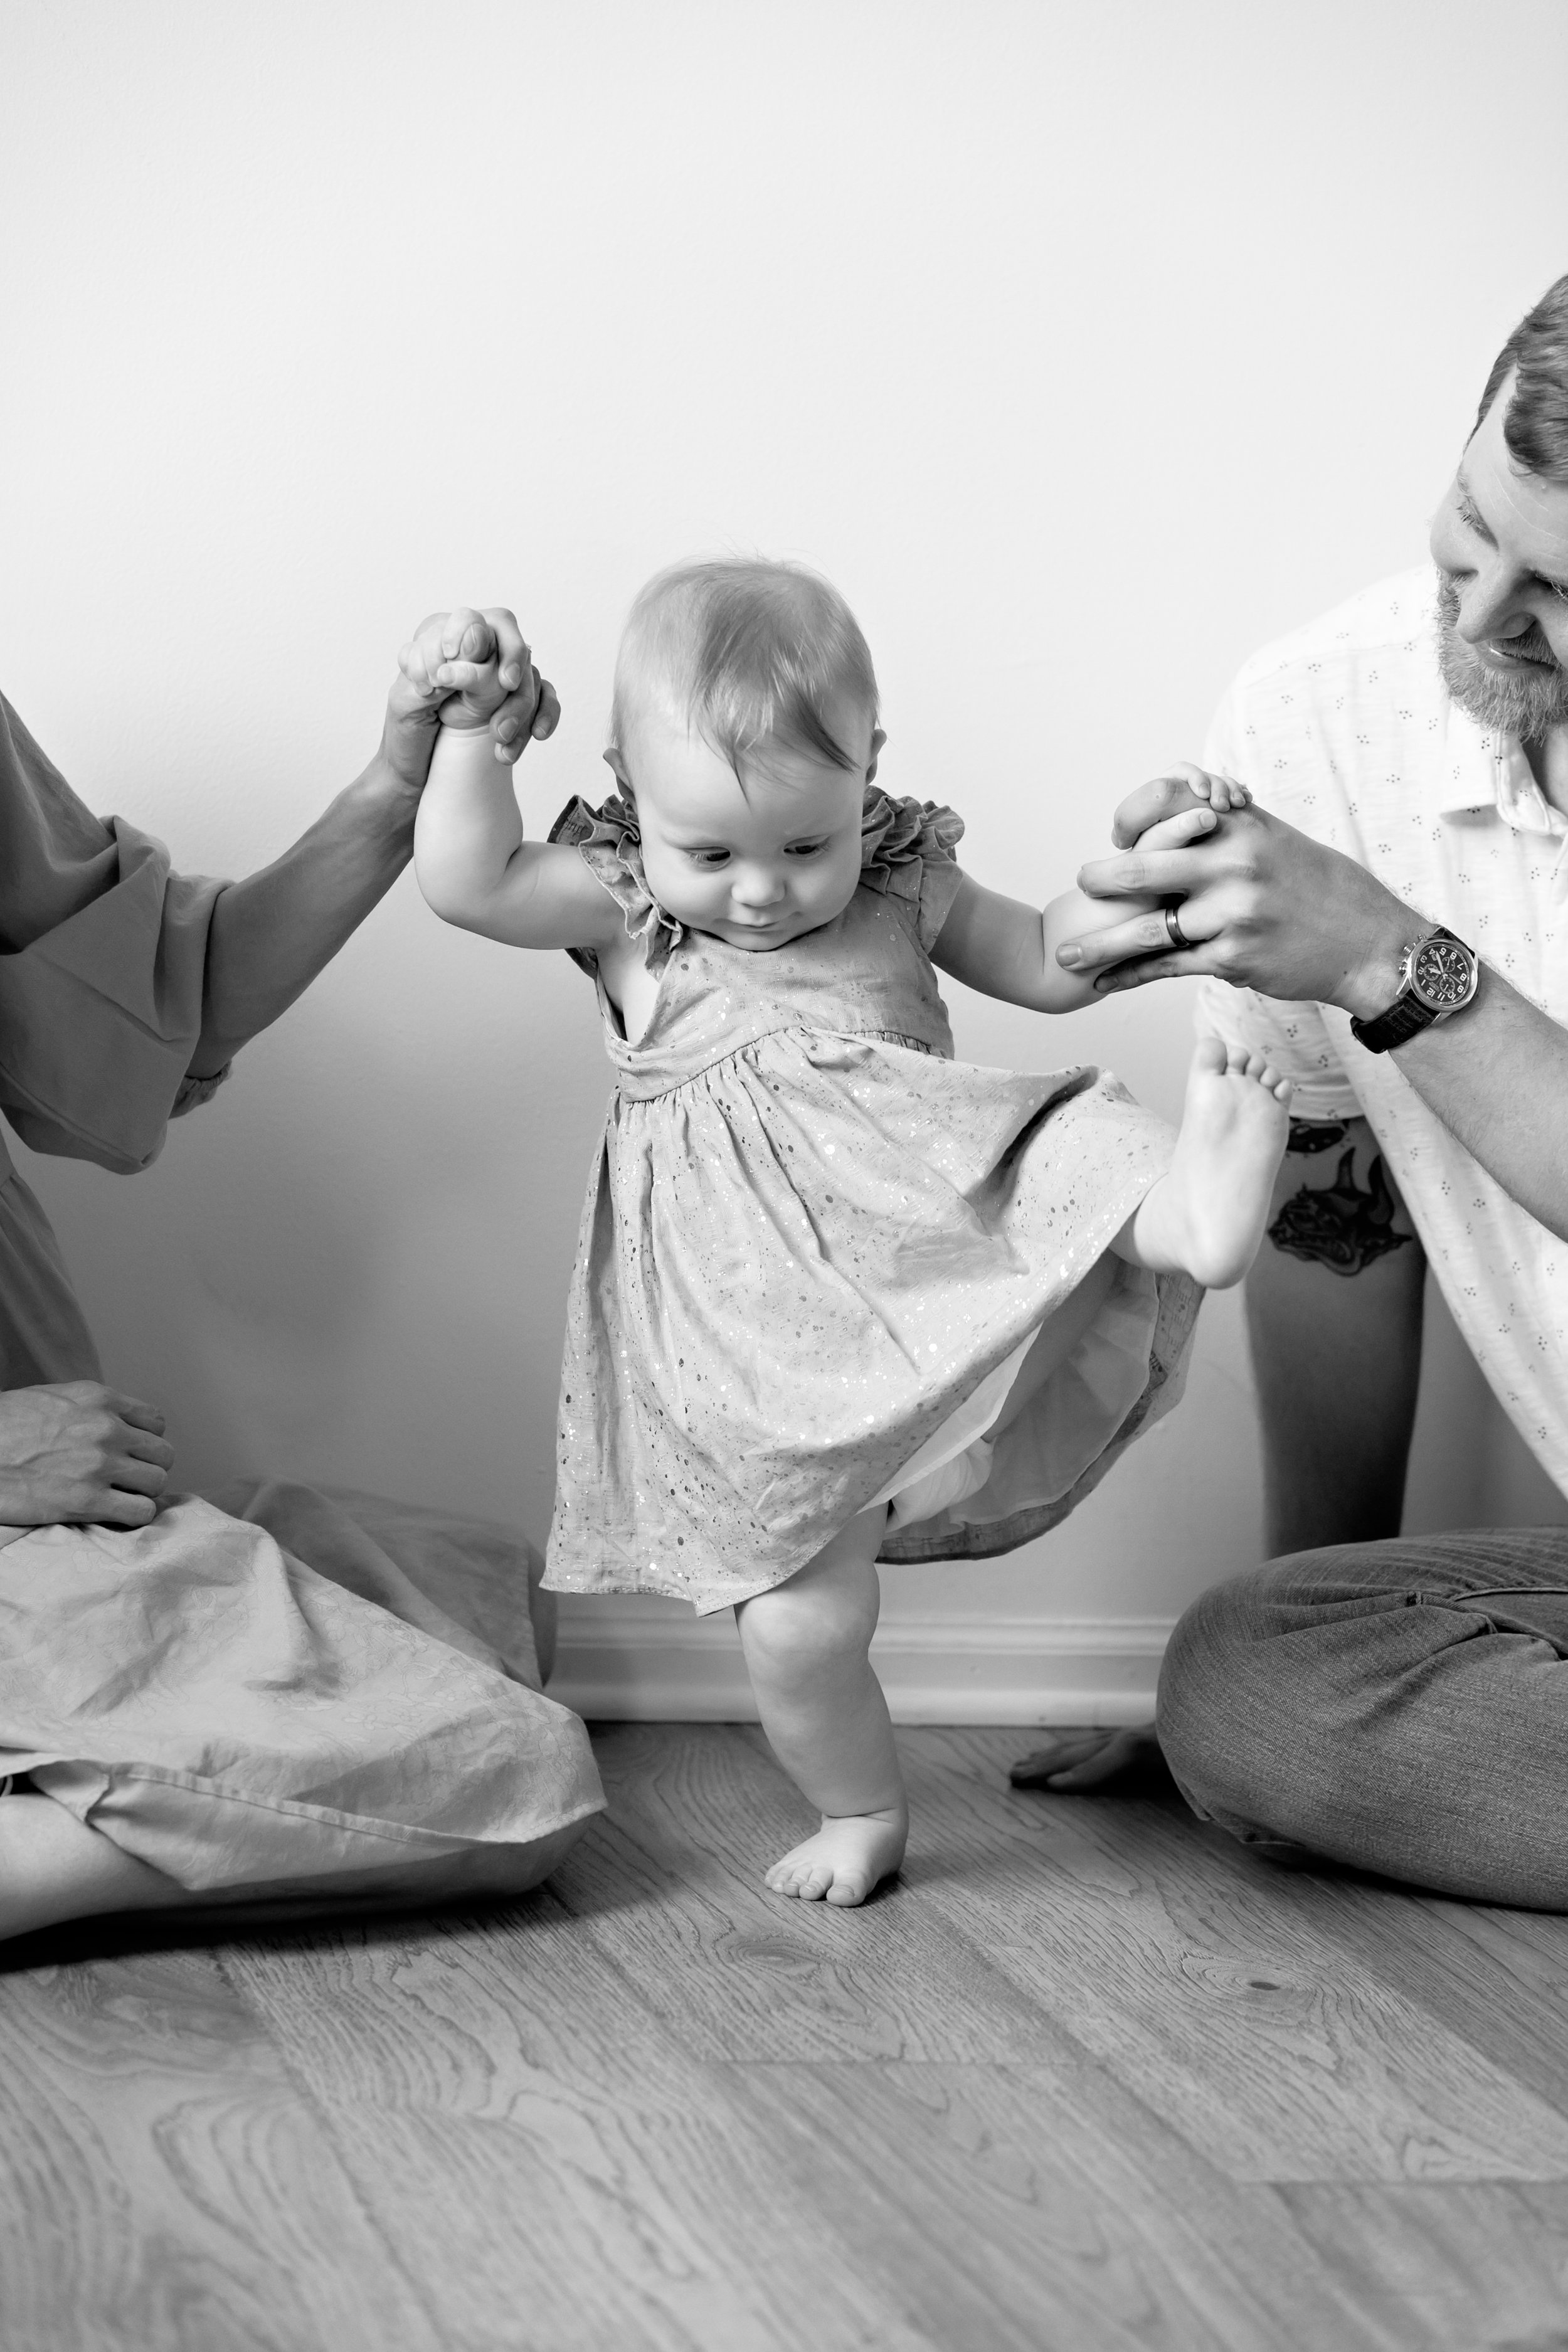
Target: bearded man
(1389, 923)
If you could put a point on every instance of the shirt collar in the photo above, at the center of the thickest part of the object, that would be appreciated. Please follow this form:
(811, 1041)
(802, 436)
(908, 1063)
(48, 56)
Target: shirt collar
(1486, 769)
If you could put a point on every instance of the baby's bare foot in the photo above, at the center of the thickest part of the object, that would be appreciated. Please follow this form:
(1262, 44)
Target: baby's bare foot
(1206, 1214)
(849, 1855)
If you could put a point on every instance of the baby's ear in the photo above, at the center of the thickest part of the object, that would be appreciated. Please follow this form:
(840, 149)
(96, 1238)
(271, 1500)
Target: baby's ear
(878, 736)
(618, 768)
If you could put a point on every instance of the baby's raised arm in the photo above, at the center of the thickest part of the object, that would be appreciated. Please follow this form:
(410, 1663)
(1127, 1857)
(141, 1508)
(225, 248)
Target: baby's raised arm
(473, 865)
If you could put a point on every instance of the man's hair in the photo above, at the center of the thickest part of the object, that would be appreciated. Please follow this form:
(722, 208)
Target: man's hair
(747, 650)
(1536, 354)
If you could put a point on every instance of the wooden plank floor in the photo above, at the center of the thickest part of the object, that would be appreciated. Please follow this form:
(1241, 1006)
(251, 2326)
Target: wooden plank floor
(1088, 2077)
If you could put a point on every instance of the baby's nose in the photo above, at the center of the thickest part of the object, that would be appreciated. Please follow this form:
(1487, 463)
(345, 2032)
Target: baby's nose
(756, 887)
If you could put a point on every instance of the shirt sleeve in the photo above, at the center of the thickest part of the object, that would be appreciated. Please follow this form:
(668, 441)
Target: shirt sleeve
(102, 959)
(1294, 1036)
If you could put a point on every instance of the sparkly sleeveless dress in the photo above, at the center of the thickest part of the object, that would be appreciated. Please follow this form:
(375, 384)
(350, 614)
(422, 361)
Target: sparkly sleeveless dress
(816, 1248)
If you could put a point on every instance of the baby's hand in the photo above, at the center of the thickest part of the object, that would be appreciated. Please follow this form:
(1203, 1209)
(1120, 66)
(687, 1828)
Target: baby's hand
(474, 668)
(1160, 815)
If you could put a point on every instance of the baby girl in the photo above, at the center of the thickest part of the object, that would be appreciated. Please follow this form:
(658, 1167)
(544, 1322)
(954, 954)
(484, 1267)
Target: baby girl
(838, 1296)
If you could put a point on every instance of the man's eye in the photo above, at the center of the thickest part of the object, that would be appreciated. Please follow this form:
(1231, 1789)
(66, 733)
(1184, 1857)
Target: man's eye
(1469, 515)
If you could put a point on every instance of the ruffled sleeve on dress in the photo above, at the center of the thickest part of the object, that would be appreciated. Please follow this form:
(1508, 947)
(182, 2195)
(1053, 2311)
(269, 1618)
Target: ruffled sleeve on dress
(908, 851)
(102, 956)
(610, 845)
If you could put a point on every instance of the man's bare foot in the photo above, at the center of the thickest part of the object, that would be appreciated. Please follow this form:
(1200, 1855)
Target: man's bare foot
(1206, 1216)
(850, 1854)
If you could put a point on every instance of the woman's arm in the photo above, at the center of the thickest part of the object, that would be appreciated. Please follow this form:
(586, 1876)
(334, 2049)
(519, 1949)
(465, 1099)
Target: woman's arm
(272, 934)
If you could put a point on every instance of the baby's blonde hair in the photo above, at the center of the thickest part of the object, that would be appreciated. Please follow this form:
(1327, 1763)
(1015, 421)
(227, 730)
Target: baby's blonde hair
(747, 650)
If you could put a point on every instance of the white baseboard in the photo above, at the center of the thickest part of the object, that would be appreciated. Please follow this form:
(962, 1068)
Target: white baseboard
(632, 1660)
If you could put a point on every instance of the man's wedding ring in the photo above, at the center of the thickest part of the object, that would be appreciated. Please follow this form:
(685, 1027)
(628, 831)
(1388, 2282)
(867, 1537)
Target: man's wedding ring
(1178, 936)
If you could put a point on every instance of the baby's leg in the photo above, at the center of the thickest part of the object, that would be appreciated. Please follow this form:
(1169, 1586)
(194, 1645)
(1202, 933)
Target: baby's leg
(822, 1708)
(1205, 1216)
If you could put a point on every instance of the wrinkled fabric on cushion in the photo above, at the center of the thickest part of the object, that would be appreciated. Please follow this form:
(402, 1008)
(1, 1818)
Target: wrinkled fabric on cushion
(239, 1716)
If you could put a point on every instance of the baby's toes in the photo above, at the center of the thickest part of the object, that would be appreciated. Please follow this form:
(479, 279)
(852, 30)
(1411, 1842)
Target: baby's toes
(848, 1887)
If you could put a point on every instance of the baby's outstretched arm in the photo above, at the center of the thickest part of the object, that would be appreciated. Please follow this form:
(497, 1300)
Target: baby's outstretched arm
(1006, 949)
(472, 862)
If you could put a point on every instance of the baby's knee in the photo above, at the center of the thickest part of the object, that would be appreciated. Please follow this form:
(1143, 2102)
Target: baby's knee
(808, 1618)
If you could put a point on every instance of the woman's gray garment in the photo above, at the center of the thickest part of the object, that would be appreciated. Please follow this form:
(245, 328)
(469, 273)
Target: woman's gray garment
(330, 1693)
(1401, 1706)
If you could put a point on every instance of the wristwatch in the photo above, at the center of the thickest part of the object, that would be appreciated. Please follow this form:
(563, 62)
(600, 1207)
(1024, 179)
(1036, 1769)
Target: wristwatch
(1438, 976)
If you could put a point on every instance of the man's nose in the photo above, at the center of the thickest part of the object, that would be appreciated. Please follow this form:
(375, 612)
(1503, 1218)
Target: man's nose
(1491, 605)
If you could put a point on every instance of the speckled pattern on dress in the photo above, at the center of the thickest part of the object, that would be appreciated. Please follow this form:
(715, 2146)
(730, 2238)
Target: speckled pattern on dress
(811, 1234)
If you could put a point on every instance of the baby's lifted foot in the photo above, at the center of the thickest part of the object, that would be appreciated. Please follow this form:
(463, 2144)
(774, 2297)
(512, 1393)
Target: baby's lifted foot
(851, 1854)
(1206, 1214)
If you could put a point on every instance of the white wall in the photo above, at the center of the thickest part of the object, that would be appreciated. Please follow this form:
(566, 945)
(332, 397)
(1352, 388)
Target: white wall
(1084, 347)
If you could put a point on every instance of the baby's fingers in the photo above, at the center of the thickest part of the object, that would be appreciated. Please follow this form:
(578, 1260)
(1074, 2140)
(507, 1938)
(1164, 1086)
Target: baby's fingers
(443, 643)
(1175, 831)
(1182, 787)
(467, 636)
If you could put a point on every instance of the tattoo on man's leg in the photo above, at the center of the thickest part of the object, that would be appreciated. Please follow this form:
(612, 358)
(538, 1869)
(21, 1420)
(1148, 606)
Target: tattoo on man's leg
(1341, 1225)
(1317, 1134)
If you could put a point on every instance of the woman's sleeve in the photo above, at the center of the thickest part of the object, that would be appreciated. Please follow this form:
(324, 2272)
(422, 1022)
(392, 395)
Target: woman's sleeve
(909, 850)
(102, 960)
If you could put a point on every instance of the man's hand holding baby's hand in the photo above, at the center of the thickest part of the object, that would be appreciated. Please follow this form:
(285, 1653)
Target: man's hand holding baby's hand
(1158, 814)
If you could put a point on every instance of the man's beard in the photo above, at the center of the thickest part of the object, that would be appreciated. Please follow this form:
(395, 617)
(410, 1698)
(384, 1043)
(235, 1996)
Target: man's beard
(1527, 703)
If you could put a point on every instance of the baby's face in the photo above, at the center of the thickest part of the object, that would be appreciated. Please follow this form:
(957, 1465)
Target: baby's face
(758, 867)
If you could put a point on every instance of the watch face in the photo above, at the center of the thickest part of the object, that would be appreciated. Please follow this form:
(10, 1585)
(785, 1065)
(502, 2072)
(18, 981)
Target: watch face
(1443, 974)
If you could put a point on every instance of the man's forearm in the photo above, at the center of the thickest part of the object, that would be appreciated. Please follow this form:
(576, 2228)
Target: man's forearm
(1497, 1077)
(273, 932)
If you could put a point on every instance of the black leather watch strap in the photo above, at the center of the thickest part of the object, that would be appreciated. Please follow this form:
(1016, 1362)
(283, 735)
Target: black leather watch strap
(1403, 1017)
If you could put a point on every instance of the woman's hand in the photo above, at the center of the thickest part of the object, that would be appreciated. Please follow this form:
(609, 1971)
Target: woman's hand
(475, 669)
(78, 1451)
(478, 660)
(1258, 904)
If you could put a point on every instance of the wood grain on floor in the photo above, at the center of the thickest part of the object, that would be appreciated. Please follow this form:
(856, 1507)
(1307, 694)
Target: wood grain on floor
(1088, 2076)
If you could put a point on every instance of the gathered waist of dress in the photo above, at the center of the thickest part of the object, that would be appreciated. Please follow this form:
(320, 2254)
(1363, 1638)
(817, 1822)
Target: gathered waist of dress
(641, 1081)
